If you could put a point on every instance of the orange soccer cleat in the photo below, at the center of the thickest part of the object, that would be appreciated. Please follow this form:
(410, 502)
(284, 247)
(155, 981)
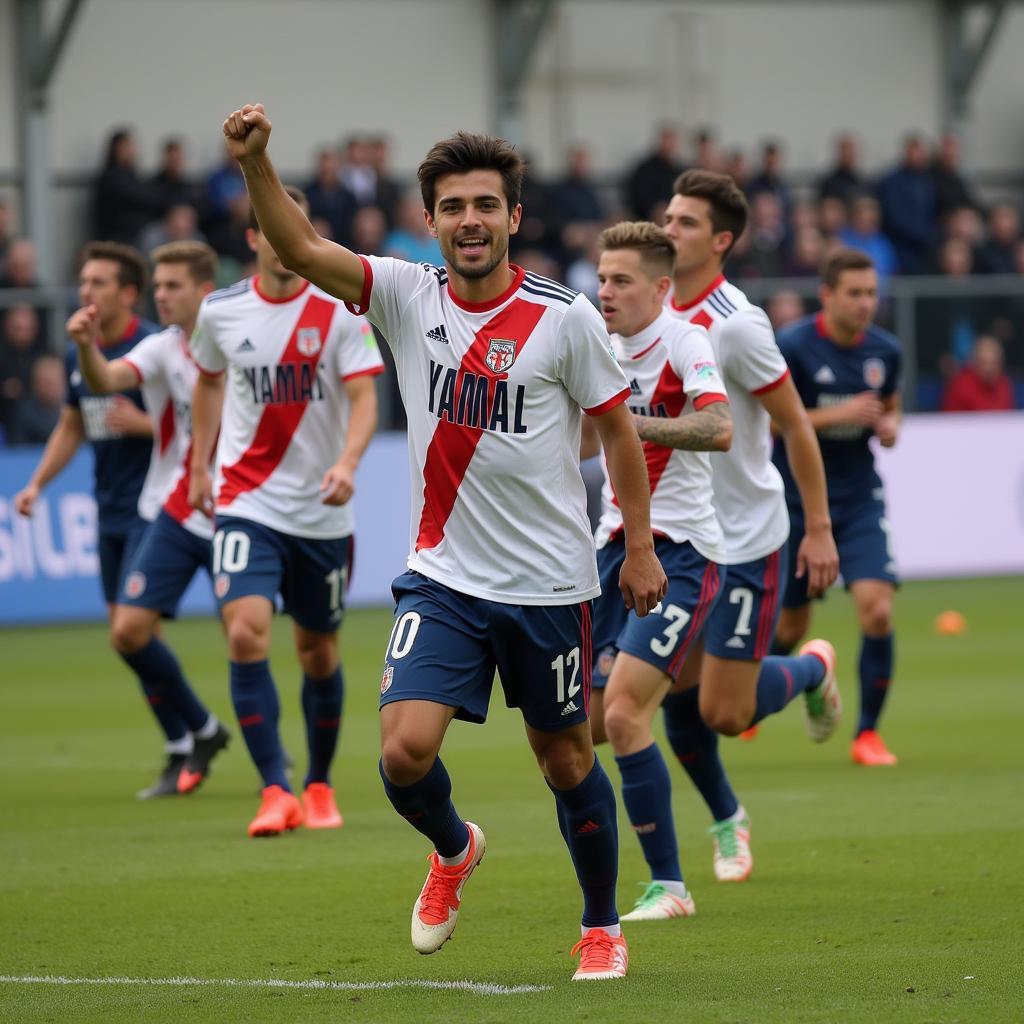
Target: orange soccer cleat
(280, 810)
(602, 956)
(749, 734)
(869, 748)
(320, 808)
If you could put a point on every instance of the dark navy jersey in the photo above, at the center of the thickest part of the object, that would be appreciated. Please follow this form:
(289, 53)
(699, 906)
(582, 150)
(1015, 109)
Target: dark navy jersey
(120, 462)
(826, 374)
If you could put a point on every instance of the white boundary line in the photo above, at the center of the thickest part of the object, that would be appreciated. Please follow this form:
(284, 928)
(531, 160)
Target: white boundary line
(477, 988)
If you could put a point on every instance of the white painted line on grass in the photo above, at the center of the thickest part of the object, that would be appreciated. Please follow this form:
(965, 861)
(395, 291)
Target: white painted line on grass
(477, 988)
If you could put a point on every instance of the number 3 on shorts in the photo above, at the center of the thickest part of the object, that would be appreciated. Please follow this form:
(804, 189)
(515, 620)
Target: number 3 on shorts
(677, 620)
(403, 635)
(230, 551)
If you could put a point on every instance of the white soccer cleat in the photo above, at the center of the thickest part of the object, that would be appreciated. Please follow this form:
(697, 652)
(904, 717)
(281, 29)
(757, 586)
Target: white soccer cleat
(823, 705)
(436, 911)
(658, 904)
(733, 860)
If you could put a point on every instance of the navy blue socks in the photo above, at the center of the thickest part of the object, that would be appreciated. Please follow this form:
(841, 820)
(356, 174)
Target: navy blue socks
(175, 705)
(876, 661)
(586, 818)
(321, 706)
(696, 747)
(783, 678)
(647, 794)
(255, 699)
(427, 806)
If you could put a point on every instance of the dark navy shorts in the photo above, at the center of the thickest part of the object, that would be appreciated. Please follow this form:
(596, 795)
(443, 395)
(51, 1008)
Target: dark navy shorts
(116, 550)
(163, 566)
(311, 575)
(664, 637)
(446, 646)
(742, 625)
(864, 540)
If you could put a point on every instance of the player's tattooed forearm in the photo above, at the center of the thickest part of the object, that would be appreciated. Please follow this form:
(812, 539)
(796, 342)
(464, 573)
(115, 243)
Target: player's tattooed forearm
(696, 432)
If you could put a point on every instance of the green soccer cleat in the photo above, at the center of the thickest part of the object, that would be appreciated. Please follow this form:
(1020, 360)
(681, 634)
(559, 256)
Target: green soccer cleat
(822, 706)
(658, 904)
(733, 860)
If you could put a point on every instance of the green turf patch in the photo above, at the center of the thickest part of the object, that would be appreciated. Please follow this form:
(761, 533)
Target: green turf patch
(877, 894)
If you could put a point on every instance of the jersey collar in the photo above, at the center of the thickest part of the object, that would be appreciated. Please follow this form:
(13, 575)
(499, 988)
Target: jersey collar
(638, 345)
(717, 283)
(819, 323)
(485, 307)
(276, 302)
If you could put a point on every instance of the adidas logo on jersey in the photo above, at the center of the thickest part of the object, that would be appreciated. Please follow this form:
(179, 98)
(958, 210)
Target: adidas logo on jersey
(246, 346)
(825, 376)
(634, 387)
(569, 708)
(736, 643)
(438, 333)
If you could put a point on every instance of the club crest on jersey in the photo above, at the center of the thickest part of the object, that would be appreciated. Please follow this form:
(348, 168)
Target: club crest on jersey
(874, 373)
(385, 682)
(501, 354)
(135, 585)
(308, 341)
(221, 585)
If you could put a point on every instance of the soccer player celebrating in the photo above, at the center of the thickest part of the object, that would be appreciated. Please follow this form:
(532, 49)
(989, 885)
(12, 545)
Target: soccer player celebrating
(739, 685)
(177, 542)
(847, 373)
(681, 412)
(299, 408)
(495, 366)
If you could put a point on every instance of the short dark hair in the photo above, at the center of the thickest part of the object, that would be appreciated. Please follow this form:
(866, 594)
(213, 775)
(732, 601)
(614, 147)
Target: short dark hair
(297, 195)
(655, 248)
(131, 267)
(844, 259)
(471, 151)
(728, 204)
(200, 259)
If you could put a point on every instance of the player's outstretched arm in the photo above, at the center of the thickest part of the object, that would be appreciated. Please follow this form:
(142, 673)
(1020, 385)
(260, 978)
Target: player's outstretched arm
(709, 430)
(61, 446)
(100, 374)
(298, 246)
(642, 580)
(817, 556)
(207, 402)
(338, 484)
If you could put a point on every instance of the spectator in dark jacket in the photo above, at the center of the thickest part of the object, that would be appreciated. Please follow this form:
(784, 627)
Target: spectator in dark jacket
(329, 200)
(650, 181)
(845, 180)
(951, 190)
(36, 414)
(907, 195)
(997, 255)
(123, 203)
(20, 346)
(171, 179)
(769, 178)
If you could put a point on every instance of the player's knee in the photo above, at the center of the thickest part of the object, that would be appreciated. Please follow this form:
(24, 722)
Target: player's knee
(725, 719)
(566, 764)
(621, 724)
(247, 640)
(405, 759)
(128, 635)
(876, 617)
(319, 660)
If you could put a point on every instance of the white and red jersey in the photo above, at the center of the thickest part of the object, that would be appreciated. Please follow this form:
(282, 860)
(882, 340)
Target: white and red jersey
(494, 394)
(748, 490)
(167, 377)
(285, 415)
(671, 370)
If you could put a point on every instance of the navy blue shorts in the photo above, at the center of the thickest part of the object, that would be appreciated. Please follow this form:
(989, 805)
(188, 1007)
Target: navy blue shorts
(163, 566)
(446, 646)
(863, 538)
(742, 625)
(116, 550)
(311, 575)
(664, 637)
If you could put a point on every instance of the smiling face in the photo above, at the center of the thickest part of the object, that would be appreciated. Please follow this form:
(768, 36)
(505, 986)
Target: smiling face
(631, 295)
(472, 222)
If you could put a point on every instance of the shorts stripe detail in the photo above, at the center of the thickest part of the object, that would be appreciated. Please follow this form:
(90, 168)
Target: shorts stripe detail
(586, 639)
(708, 589)
(769, 606)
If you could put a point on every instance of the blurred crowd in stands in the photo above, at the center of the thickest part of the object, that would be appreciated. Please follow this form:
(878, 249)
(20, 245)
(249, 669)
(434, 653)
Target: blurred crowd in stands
(920, 216)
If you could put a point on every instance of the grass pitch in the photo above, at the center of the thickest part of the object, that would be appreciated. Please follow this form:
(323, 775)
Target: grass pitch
(877, 894)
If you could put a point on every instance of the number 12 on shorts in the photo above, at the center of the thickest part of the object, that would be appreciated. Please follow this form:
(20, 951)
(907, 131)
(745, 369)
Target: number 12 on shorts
(561, 665)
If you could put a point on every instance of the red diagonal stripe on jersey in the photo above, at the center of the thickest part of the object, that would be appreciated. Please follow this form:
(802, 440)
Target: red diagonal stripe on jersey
(452, 446)
(176, 505)
(278, 423)
(702, 319)
(167, 427)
